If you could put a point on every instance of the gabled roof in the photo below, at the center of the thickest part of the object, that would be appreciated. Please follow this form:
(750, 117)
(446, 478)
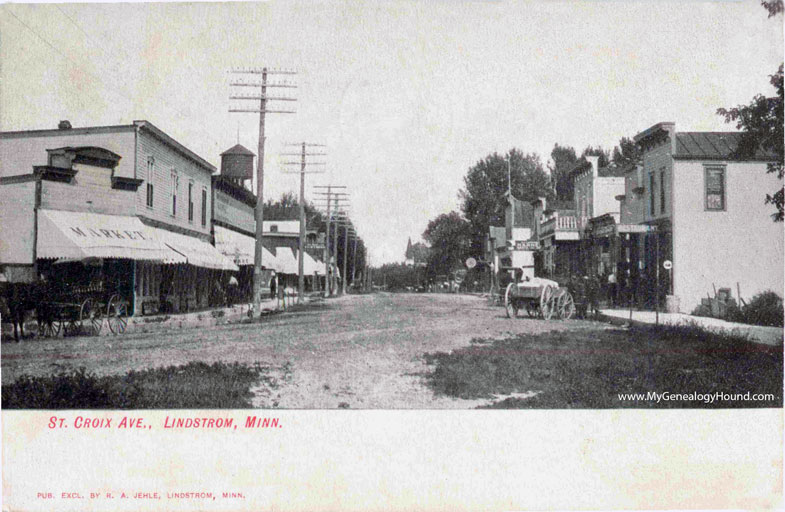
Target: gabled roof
(713, 146)
(238, 149)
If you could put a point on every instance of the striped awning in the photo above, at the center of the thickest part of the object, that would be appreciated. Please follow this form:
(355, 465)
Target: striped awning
(81, 235)
(197, 252)
(240, 248)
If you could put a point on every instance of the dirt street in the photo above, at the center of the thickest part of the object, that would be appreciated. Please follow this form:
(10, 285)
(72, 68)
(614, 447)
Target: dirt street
(356, 352)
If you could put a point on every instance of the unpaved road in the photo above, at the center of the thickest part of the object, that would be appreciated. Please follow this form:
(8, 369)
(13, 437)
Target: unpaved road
(359, 351)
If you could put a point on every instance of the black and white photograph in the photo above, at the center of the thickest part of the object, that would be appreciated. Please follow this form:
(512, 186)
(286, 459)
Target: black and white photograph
(222, 220)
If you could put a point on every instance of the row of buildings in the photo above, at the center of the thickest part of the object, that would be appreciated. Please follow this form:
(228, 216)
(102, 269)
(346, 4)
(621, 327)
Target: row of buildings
(688, 219)
(127, 209)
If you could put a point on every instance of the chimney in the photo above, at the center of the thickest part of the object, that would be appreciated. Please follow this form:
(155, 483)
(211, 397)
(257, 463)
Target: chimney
(64, 125)
(595, 164)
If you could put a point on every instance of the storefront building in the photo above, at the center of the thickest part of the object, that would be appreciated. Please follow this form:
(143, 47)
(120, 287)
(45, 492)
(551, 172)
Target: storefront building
(167, 191)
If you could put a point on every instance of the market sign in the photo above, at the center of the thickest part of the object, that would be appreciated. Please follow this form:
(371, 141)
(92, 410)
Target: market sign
(636, 228)
(527, 245)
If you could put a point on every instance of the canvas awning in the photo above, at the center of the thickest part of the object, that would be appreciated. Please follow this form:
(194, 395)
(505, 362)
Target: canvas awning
(196, 252)
(240, 248)
(285, 261)
(81, 235)
(311, 266)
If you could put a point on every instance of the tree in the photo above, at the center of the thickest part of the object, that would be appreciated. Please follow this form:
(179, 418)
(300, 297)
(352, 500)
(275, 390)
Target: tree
(761, 122)
(626, 153)
(774, 7)
(604, 154)
(287, 207)
(449, 236)
(485, 184)
(563, 158)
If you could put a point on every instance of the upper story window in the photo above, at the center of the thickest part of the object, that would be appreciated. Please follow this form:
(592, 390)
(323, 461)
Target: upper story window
(190, 201)
(204, 206)
(651, 195)
(150, 175)
(273, 228)
(175, 183)
(662, 190)
(714, 176)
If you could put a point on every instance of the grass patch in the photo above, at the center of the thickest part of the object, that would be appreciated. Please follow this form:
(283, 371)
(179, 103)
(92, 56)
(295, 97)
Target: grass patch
(589, 368)
(192, 386)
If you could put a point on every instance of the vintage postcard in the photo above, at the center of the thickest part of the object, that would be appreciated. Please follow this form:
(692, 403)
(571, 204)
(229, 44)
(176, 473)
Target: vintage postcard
(344, 255)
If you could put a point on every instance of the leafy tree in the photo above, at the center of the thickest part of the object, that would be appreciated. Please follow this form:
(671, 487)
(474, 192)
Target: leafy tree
(761, 122)
(287, 207)
(563, 158)
(774, 7)
(626, 153)
(449, 236)
(485, 184)
(604, 154)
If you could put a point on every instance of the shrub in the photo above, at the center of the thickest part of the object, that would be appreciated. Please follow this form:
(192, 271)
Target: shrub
(765, 308)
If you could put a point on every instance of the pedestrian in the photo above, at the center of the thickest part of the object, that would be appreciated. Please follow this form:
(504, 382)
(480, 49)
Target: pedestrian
(612, 288)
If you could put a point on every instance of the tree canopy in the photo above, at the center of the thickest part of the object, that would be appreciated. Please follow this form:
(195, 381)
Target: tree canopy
(563, 158)
(485, 184)
(761, 122)
(449, 236)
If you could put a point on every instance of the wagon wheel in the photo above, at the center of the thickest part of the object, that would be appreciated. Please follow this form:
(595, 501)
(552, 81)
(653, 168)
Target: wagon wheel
(509, 303)
(90, 316)
(546, 302)
(72, 325)
(117, 314)
(566, 306)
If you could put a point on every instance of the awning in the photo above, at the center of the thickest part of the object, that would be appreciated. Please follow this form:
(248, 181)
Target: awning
(196, 252)
(240, 248)
(311, 266)
(81, 235)
(285, 261)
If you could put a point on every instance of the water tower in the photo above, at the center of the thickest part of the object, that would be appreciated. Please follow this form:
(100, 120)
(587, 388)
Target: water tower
(237, 165)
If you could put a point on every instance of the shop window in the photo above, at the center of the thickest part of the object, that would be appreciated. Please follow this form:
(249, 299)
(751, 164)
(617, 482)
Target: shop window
(150, 175)
(190, 201)
(204, 206)
(715, 187)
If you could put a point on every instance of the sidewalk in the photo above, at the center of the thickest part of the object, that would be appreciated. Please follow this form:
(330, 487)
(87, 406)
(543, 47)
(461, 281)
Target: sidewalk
(756, 333)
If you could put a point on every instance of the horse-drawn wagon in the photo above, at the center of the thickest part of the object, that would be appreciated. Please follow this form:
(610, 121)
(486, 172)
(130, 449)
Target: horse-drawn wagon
(540, 298)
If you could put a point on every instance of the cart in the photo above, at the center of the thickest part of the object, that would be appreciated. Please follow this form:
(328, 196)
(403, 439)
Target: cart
(81, 309)
(540, 298)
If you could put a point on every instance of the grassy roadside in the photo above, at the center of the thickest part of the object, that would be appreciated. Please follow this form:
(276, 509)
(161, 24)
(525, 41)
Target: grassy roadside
(589, 368)
(192, 386)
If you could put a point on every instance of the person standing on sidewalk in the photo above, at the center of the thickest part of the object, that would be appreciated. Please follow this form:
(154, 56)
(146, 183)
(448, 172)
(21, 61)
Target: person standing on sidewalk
(612, 288)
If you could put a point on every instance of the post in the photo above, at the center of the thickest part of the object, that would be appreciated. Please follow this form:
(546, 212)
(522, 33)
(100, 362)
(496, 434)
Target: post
(345, 258)
(354, 260)
(301, 245)
(657, 272)
(327, 277)
(335, 255)
(259, 210)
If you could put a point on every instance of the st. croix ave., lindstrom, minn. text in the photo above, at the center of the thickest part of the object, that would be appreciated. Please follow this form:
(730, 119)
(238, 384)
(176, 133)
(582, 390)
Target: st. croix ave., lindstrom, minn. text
(170, 422)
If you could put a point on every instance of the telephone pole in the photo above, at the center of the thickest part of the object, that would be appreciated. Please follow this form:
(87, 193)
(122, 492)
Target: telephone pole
(301, 246)
(263, 98)
(334, 202)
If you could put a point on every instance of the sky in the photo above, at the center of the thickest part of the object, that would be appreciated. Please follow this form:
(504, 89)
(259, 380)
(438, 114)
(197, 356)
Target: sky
(406, 95)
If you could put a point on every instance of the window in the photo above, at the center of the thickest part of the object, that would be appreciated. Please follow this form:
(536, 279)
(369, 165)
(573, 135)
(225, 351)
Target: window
(190, 201)
(150, 174)
(662, 190)
(204, 206)
(715, 187)
(273, 228)
(175, 181)
(651, 195)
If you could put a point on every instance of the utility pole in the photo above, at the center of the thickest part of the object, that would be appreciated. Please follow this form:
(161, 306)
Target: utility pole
(334, 203)
(262, 110)
(354, 260)
(301, 246)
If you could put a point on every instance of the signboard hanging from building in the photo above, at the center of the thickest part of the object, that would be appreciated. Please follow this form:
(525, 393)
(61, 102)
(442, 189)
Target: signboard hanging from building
(527, 245)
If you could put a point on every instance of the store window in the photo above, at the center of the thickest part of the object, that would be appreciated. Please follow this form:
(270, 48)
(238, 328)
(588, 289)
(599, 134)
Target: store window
(715, 187)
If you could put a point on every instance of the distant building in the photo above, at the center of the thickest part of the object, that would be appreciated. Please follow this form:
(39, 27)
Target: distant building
(416, 254)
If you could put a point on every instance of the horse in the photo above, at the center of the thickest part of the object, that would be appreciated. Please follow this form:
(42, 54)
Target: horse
(20, 298)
